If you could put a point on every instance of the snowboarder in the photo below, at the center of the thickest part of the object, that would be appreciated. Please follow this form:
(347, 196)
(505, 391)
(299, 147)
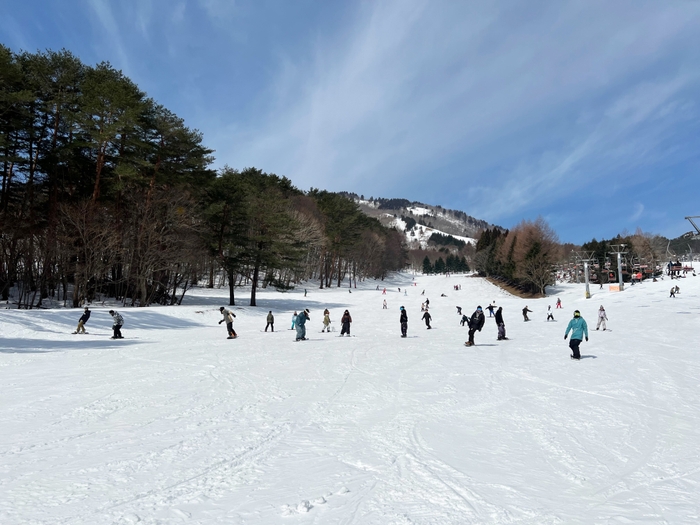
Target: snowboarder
(475, 323)
(427, 303)
(673, 292)
(81, 322)
(118, 322)
(301, 324)
(404, 322)
(427, 318)
(228, 317)
(602, 317)
(525, 311)
(550, 315)
(270, 322)
(490, 309)
(326, 321)
(465, 319)
(345, 323)
(294, 320)
(384, 305)
(579, 329)
(459, 310)
(501, 325)
(558, 305)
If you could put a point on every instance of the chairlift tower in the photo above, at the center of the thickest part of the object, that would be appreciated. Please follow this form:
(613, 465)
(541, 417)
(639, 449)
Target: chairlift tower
(696, 235)
(586, 258)
(619, 250)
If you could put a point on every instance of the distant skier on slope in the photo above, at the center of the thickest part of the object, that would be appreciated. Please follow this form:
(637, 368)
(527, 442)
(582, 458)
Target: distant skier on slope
(525, 311)
(345, 323)
(550, 315)
(490, 309)
(294, 319)
(81, 322)
(301, 325)
(475, 323)
(228, 318)
(404, 322)
(501, 325)
(326, 321)
(427, 317)
(602, 318)
(118, 322)
(270, 322)
(579, 329)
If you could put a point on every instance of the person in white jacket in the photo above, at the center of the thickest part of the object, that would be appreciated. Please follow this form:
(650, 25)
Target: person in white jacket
(228, 317)
(601, 318)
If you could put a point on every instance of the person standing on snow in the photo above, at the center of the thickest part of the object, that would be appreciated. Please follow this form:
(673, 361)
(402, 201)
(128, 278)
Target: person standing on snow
(525, 311)
(301, 324)
(118, 322)
(270, 322)
(81, 322)
(326, 321)
(404, 322)
(228, 317)
(550, 315)
(345, 323)
(501, 325)
(579, 329)
(427, 317)
(384, 305)
(490, 309)
(558, 305)
(602, 317)
(475, 323)
(459, 310)
(294, 320)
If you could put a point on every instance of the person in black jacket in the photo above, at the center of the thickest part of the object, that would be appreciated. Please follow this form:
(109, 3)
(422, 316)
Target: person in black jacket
(525, 312)
(81, 322)
(345, 323)
(475, 323)
(404, 322)
(501, 325)
(427, 318)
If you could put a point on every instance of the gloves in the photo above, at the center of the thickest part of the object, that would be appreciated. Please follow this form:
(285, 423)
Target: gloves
(586, 338)
(221, 321)
(567, 335)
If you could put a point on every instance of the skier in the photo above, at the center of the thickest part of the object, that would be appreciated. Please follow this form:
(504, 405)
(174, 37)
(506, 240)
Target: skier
(228, 317)
(345, 323)
(427, 303)
(550, 315)
(459, 310)
(465, 319)
(501, 325)
(490, 309)
(579, 329)
(301, 324)
(384, 305)
(673, 292)
(525, 311)
(270, 322)
(81, 322)
(294, 320)
(326, 321)
(404, 322)
(602, 317)
(475, 323)
(117, 324)
(558, 305)
(427, 318)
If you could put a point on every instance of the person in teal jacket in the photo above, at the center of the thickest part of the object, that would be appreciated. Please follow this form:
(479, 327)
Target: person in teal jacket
(579, 329)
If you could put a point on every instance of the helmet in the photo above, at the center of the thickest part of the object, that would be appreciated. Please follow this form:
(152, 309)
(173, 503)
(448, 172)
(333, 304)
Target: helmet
(222, 309)
(111, 312)
(577, 313)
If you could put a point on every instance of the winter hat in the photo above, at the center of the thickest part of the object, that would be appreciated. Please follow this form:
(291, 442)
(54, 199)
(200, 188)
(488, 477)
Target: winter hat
(478, 307)
(86, 308)
(222, 309)
(577, 313)
(401, 308)
(111, 312)
(307, 310)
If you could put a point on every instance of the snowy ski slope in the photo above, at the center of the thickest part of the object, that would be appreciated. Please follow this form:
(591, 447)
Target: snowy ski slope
(176, 424)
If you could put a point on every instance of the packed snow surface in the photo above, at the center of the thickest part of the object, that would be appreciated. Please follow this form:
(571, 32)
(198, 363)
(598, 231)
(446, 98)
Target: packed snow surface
(177, 424)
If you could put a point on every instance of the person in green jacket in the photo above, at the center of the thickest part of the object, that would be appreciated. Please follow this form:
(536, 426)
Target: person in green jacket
(579, 329)
(270, 321)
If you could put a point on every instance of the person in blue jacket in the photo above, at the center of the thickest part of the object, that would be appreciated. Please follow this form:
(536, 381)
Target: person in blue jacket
(579, 329)
(301, 325)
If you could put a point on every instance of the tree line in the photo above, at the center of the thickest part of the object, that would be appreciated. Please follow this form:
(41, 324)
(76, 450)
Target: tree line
(106, 193)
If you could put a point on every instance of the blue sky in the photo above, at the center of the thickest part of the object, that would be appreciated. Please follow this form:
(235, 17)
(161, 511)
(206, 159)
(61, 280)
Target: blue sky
(584, 112)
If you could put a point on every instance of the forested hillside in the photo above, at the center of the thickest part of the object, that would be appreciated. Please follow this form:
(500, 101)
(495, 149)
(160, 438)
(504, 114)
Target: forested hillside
(106, 193)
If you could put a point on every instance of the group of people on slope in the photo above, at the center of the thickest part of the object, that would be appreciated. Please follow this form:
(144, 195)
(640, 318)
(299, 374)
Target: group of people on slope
(117, 323)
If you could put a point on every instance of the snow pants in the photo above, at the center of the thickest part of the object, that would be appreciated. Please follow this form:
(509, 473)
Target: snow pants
(601, 320)
(301, 332)
(471, 335)
(117, 329)
(501, 331)
(573, 344)
(345, 329)
(230, 330)
(81, 328)
(404, 329)
(270, 325)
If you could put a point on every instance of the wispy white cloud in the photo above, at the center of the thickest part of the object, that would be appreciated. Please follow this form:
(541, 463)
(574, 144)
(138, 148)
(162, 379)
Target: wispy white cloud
(112, 33)
(542, 100)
